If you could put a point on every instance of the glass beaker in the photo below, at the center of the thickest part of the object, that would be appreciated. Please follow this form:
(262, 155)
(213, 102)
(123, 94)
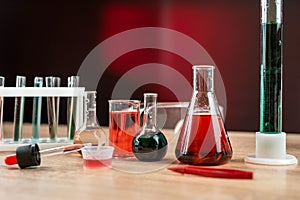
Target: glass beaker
(90, 131)
(203, 139)
(150, 144)
(124, 124)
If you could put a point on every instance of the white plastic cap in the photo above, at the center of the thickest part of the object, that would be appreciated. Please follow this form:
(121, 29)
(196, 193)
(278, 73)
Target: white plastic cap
(271, 150)
(270, 145)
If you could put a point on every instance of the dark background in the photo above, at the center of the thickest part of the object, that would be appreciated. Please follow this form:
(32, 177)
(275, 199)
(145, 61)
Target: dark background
(41, 38)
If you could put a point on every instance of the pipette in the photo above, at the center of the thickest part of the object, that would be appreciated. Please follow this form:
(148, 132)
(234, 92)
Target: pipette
(30, 155)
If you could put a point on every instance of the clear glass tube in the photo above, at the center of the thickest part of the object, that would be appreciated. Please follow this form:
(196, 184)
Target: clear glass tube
(271, 67)
(19, 110)
(2, 80)
(36, 112)
(73, 81)
(56, 83)
(53, 108)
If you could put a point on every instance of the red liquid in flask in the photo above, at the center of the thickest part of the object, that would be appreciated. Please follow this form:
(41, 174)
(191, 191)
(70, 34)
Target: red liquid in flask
(203, 141)
(123, 127)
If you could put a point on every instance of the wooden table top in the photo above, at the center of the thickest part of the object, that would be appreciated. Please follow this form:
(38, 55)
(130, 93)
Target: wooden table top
(63, 177)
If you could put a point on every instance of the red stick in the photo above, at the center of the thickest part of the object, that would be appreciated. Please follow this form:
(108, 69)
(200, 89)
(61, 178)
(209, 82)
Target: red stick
(213, 172)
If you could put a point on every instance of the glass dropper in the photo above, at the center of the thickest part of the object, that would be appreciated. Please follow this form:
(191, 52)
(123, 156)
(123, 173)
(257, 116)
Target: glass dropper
(30, 155)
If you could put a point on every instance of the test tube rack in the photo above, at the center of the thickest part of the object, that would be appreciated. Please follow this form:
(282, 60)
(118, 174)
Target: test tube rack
(7, 144)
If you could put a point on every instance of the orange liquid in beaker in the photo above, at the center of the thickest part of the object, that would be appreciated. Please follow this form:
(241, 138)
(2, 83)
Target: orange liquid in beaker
(123, 127)
(203, 141)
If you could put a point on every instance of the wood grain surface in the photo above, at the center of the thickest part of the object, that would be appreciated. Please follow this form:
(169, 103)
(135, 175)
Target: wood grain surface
(63, 177)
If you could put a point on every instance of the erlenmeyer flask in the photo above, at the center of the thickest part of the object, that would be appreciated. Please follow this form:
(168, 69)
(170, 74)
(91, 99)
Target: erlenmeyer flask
(203, 139)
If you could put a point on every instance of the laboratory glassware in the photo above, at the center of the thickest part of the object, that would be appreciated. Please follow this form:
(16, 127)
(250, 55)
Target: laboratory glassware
(2, 80)
(19, 110)
(30, 155)
(203, 139)
(36, 111)
(97, 157)
(124, 124)
(271, 141)
(150, 144)
(53, 108)
(73, 81)
(271, 67)
(91, 131)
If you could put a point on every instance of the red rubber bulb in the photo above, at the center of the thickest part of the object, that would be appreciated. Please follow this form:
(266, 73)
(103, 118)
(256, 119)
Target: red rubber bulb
(11, 160)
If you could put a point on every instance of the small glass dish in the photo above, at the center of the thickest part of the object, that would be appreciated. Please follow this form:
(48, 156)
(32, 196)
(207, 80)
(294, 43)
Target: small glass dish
(97, 157)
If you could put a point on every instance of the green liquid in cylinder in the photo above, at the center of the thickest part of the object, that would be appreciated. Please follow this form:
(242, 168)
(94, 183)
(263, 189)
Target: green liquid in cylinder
(271, 78)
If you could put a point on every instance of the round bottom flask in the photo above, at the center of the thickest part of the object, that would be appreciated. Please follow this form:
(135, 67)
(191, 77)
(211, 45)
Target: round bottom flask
(150, 144)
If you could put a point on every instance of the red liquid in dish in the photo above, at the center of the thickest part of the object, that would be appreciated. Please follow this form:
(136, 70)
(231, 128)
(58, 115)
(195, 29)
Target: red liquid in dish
(123, 127)
(203, 141)
(97, 163)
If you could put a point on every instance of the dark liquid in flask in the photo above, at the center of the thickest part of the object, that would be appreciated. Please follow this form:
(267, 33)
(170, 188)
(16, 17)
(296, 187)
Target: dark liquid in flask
(150, 146)
(203, 141)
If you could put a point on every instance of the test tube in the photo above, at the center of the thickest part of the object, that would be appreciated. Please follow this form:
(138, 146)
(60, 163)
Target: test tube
(53, 108)
(2, 79)
(19, 110)
(36, 111)
(73, 81)
(56, 83)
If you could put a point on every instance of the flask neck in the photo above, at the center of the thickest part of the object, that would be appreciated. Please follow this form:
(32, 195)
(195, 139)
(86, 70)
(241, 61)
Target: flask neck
(150, 102)
(90, 109)
(271, 11)
(91, 118)
(203, 78)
